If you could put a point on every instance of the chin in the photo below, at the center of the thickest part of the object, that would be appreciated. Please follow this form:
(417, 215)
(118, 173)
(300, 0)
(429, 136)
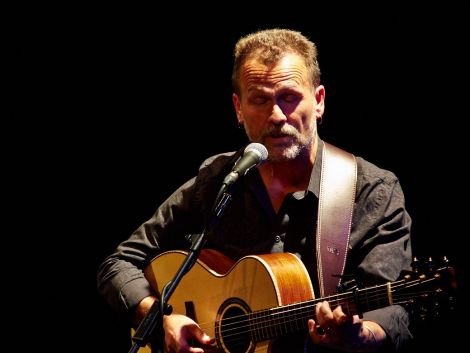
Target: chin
(283, 153)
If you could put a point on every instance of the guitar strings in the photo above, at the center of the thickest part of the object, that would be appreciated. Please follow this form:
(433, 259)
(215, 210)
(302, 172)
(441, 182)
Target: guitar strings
(262, 326)
(265, 330)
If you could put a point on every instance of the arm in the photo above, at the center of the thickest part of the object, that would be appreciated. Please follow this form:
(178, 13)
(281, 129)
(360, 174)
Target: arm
(380, 245)
(379, 251)
(120, 277)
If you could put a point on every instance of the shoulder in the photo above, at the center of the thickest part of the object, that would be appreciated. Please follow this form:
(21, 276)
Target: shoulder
(217, 160)
(218, 164)
(370, 171)
(214, 168)
(376, 182)
(210, 176)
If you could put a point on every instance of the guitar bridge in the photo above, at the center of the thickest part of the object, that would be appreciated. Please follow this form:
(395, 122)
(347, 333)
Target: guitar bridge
(190, 311)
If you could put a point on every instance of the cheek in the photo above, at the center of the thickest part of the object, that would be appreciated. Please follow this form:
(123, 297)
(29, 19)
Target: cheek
(307, 115)
(252, 126)
(255, 118)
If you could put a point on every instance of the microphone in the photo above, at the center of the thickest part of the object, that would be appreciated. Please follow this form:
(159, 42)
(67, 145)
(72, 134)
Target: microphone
(254, 154)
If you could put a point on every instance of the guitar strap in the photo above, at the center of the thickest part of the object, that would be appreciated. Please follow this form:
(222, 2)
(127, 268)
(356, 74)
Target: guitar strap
(335, 208)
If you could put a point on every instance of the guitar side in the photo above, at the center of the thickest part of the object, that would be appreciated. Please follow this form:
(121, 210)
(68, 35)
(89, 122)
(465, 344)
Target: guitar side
(216, 287)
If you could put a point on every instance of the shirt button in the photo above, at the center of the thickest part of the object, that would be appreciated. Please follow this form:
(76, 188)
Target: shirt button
(277, 239)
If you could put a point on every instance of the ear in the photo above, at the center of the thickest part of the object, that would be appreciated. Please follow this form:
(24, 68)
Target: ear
(237, 106)
(319, 101)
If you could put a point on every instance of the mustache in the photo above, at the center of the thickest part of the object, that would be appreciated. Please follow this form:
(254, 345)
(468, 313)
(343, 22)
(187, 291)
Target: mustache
(279, 131)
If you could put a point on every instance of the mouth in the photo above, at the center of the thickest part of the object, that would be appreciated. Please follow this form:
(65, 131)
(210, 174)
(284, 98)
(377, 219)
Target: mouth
(280, 139)
(278, 134)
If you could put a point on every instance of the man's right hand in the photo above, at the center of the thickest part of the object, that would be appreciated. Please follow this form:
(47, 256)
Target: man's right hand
(184, 335)
(181, 333)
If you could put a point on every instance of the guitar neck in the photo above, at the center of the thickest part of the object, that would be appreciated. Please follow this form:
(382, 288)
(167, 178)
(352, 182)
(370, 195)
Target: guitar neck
(274, 322)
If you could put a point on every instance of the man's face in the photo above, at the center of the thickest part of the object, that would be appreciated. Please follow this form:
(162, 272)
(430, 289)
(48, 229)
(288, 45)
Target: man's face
(278, 106)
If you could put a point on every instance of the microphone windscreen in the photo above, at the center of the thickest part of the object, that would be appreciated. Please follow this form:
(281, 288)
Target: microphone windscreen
(259, 149)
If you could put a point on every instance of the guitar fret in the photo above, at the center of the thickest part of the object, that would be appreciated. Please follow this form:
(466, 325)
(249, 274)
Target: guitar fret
(259, 326)
(377, 301)
(297, 318)
(254, 327)
(265, 326)
(277, 324)
(268, 324)
(284, 322)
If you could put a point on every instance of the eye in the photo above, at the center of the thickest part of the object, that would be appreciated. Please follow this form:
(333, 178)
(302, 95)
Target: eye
(258, 100)
(290, 98)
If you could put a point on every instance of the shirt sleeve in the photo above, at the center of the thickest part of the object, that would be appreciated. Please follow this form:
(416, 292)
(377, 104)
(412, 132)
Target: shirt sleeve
(120, 277)
(395, 322)
(380, 247)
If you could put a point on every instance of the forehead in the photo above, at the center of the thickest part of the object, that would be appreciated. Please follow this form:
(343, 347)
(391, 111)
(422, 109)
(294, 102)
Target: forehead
(290, 69)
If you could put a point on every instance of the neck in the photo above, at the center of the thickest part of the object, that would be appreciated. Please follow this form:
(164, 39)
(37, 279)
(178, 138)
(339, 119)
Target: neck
(282, 178)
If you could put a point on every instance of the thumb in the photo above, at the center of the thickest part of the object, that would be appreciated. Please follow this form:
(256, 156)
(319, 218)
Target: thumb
(201, 336)
(206, 339)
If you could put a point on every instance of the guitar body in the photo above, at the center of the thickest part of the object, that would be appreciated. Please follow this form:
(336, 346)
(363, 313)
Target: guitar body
(217, 290)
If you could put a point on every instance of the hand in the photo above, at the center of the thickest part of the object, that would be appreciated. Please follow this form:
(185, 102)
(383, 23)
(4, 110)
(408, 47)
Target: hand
(184, 335)
(334, 329)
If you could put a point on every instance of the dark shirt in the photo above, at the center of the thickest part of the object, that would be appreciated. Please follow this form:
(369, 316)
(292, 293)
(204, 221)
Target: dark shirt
(379, 247)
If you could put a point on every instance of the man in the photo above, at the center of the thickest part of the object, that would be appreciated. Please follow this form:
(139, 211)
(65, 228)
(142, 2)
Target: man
(278, 99)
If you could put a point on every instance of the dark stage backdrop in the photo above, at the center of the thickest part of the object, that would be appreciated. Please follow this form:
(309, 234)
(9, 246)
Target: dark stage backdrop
(117, 109)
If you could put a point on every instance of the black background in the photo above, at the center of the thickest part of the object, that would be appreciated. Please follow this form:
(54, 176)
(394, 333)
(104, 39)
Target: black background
(114, 107)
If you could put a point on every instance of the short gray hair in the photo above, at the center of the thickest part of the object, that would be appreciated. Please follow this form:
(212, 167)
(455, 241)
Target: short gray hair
(269, 46)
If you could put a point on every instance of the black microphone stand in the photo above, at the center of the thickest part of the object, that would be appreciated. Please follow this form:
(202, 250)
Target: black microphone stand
(154, 316)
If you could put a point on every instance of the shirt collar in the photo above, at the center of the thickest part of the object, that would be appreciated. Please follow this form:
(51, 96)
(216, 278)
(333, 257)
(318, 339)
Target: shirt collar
(314, 183)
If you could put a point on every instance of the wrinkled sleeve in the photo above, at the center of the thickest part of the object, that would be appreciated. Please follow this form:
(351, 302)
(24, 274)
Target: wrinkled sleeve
(120, 277)
(380, 246)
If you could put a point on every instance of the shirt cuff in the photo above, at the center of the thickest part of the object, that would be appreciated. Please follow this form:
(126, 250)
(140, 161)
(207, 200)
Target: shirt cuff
(133, 292)
(394, 320)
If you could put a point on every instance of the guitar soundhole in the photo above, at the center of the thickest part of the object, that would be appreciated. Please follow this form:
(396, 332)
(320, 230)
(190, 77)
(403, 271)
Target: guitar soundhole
(232, 327)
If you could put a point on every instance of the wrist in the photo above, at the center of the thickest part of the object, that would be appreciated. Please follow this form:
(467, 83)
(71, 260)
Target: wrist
(373, 335)
(371, 338)
(142, 309)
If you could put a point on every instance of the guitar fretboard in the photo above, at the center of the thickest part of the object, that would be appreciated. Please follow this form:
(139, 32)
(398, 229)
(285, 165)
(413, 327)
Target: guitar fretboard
(271, 323)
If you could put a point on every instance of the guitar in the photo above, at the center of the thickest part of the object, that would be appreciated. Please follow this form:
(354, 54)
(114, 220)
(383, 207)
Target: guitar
(247, 304)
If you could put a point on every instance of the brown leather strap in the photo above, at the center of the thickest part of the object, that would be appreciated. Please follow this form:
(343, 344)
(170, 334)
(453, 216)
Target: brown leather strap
(335, 206)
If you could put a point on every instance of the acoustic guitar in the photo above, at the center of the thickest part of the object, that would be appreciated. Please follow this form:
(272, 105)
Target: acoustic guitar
(246, 305)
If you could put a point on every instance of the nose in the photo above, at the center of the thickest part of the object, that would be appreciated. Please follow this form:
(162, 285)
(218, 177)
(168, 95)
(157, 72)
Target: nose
(277, 115)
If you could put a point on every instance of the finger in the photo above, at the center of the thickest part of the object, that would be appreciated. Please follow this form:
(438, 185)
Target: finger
(318, 335)
(202, 337)
(316, 329)
(356, 319)
(319, 307)
(195, 350)
(206, 339)
(325, 316)
(312, 326)
(340, 318)
(192, 346)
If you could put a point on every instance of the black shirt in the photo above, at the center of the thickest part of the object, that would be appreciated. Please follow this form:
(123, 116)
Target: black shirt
(379, 247)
